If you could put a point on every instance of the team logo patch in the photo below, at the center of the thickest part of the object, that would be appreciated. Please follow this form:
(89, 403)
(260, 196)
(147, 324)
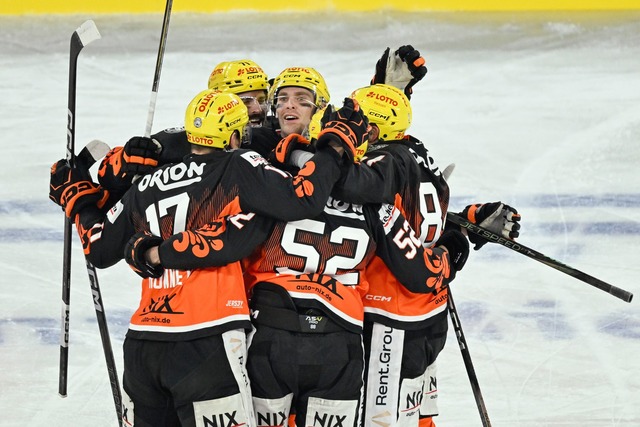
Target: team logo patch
(254, 158)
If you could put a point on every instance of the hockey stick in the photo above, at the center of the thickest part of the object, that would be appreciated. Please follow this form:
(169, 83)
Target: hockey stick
(531, 253)
(156, 76)
(466, 357)
(85, 34)
(106, 341)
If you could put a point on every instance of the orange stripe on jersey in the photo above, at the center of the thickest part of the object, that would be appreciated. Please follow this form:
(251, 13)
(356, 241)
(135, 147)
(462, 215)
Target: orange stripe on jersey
(184, 301)
(426, 422)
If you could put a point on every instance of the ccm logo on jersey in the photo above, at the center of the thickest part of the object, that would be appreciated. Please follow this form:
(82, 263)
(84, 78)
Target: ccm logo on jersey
(377, 298)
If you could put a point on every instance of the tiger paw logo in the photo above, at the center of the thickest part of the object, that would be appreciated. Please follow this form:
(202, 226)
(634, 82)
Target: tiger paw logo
(302, 186)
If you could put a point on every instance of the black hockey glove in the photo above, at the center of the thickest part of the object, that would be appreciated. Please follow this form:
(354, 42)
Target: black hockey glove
(496, 217)
(139, 156)
(134, 254)
(73, 189)
(403, 69)
(458, 247)
(415, 63)
(348, 127)
(282, 152)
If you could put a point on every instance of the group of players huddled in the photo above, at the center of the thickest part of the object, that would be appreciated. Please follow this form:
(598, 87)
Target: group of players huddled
(295, 255)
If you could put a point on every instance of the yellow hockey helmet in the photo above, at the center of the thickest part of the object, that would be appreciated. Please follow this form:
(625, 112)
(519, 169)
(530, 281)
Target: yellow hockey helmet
(305, 77)
(238, 76)
(213, 116)
(387, 107)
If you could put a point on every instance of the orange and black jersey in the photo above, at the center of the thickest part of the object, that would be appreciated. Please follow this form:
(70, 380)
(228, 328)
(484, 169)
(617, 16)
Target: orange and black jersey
(406, 174)
(320, 262)
(188, 195)
(192, 195)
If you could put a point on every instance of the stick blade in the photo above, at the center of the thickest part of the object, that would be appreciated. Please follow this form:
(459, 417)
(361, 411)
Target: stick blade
(88, 32)
(98, 149)
(448, 171)
(91, 153)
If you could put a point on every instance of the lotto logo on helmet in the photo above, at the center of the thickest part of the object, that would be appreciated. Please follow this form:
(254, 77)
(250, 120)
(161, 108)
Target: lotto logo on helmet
(228, 106)
(250, 70)
(360, 152)
(298, 70)
(382, 98)
(204, 102)
(201, 140)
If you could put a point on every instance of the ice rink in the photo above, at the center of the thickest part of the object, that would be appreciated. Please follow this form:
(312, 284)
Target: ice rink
(541, 111)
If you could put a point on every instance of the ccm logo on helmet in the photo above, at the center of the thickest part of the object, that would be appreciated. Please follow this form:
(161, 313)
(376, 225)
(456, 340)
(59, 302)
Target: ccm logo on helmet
(238, 120)
(378, 115)
(382, 98)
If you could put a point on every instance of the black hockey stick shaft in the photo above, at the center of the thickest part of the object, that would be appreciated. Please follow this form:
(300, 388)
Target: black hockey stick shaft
(85, 34)
(466, 357)
(533, 254)
(106, 340)
(82, 36)
(158, 70)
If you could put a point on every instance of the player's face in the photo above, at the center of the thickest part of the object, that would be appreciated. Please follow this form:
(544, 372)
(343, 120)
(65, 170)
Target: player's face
(256, 102)
(294, 109)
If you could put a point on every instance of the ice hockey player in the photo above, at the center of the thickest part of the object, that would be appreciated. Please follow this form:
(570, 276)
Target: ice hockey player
(184, 354)
(405, 332)
(306, 284)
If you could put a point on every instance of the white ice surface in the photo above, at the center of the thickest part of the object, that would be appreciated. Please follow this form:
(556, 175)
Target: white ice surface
(538, 110)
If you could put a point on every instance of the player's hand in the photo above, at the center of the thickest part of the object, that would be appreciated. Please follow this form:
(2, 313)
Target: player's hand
(282, 152)
(403, 69)
(458, 247)
(135, 254)
(415, 63)
(139, 156)
(496, 217)
(348, 127)
(73, 189)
